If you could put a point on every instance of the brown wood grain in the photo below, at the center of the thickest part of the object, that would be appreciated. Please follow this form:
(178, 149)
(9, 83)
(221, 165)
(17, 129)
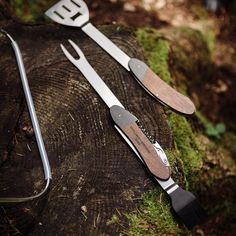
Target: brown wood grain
(147, 151)
(167, 94)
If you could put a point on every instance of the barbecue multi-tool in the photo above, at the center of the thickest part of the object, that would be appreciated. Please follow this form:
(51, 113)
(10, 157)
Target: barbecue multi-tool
(150, 153)
(34, 120)
(75, 13)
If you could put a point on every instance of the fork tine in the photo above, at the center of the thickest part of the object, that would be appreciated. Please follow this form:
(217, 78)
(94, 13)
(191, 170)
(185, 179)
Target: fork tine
(67, 54)
(77, 49)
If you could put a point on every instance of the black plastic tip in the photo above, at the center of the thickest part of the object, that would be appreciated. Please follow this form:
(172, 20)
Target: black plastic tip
(188, 208)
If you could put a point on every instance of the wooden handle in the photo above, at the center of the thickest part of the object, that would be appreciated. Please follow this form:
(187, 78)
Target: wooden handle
(159, 89)
(127, 124)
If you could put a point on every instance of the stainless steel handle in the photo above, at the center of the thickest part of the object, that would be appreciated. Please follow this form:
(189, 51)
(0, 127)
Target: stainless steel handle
(33, 116)
(107, 45)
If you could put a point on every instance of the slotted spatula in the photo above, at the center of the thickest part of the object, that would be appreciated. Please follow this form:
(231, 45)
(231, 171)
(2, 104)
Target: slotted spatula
(75, 13)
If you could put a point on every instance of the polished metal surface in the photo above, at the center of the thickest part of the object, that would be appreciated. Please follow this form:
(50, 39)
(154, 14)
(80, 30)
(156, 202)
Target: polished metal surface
(139, 68)
(69, 12)
(161, 153)
(169, 185)
(34, 120)
(30, 104)
(90, 74)
(107, 45)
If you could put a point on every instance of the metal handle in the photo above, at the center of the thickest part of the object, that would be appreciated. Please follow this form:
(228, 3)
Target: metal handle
(33, 116)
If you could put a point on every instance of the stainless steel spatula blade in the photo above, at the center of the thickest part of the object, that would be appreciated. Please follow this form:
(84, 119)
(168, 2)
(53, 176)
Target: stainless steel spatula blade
(69, 12)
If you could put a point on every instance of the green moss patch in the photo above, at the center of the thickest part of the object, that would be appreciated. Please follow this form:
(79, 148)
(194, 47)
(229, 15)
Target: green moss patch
(157, 51)
(154, 217)
(206, 36)
(186, 147)
(31, 11)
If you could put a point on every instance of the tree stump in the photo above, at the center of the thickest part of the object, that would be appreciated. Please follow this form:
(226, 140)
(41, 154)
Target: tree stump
(95, 173)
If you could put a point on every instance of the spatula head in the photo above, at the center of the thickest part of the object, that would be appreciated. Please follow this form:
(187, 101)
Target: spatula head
(69, 12)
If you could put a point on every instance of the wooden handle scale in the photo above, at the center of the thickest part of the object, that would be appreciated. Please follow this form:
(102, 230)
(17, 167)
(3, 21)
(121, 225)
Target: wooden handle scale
(159, 89)
(127, 123)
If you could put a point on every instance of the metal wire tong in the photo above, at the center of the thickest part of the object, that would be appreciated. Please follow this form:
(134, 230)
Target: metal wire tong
(34, 120)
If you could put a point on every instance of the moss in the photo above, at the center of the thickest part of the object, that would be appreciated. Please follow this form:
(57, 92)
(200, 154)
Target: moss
(114, 220)
(206, 36)
(154, 217)
(210, 39)
(186, 146)
(171, 48)
(157, 51)
(31, 11)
